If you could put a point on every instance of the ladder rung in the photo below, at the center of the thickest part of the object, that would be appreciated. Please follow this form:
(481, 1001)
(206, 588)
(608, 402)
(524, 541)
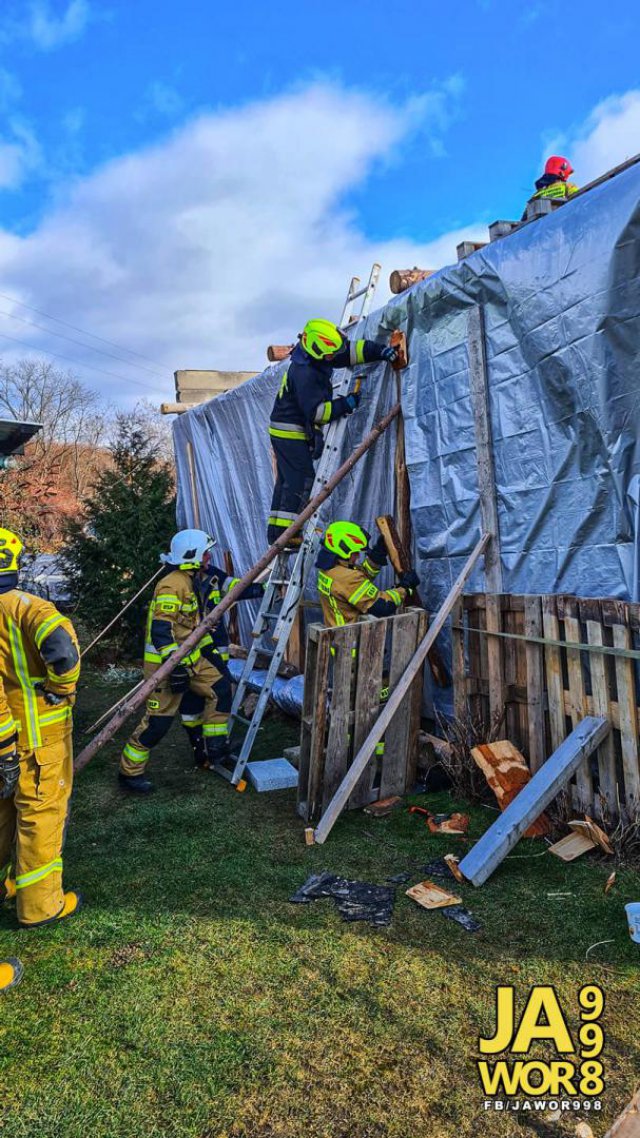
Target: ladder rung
(241, 719)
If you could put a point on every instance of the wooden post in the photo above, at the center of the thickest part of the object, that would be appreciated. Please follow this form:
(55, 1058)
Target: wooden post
(360, 761)
(535, 683)
(495, 653)
(568, 610)
(460, 702)
(479, 391)
(193, 485)
(553, 665)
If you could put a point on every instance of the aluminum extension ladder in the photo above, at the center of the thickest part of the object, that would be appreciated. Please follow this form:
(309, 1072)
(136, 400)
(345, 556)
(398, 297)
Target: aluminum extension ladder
(277, 612)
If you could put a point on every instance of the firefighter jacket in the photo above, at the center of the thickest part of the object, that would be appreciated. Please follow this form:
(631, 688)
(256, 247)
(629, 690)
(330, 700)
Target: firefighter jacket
(347, 593)
(548, 186)
(305, 403)
(173, 613)
(38, 653)
(210, 588)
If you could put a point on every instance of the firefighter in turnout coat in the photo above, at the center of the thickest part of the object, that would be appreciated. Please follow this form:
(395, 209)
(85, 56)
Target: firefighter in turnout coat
(304, 406)
(200, 686)
(39, 670)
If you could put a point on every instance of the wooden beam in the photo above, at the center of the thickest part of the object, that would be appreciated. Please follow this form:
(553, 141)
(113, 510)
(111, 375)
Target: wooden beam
(367, 749)
(479, 391)
(533, 799)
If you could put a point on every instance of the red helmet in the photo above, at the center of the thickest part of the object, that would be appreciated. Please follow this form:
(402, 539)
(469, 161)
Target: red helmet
(559, 167)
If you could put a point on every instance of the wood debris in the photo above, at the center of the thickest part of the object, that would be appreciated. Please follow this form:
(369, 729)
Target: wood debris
(611, 880)
(452, 862)
(584, 836)
(383, 806)
(506, 772)
(431, 896)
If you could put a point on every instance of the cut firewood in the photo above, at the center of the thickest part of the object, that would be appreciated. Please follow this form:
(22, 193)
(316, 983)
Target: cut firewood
(506, 771)
(277, 352)
(402, 279)
(398, 340)
(431, 896)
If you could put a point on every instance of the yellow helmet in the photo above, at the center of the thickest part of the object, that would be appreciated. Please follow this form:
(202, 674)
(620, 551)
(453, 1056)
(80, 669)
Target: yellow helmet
(321, 338)
(10, 549)
(345, 538)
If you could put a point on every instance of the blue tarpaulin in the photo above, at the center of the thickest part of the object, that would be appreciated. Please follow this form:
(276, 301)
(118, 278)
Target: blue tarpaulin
(561, 300)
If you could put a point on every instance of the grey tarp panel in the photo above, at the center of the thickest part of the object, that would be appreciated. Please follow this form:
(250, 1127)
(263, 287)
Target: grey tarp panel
(562, 311)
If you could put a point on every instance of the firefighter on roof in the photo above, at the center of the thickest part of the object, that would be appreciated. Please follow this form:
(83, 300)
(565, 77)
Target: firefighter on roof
(555, 183)
(304, 405)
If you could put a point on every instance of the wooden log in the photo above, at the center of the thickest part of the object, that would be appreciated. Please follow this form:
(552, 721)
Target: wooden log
(277, 352)
(360, 761)
(402, 279)
(533, 799)
(176, 408)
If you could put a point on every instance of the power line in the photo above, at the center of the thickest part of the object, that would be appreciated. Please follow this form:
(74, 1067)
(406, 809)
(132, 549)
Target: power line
(82, 331)
(68, 359)
(72, 340)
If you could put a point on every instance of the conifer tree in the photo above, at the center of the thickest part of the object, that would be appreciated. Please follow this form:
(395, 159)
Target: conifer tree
(128, 519)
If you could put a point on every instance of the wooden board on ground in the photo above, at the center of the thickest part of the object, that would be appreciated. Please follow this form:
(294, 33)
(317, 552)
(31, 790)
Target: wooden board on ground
(572, 846)
(431, 896)
(533, 799)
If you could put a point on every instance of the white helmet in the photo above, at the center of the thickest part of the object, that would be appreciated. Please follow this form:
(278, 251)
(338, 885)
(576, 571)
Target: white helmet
(188, 548)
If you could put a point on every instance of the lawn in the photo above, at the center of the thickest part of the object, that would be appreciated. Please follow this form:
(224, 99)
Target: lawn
(191, 999)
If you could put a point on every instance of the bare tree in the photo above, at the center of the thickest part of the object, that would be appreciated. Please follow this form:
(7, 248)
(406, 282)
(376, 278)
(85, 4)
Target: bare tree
(61, 462)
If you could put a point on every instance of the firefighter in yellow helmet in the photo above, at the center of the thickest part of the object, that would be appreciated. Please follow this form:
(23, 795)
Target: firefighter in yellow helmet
(39, 669)
(304, 405)
(346, 584)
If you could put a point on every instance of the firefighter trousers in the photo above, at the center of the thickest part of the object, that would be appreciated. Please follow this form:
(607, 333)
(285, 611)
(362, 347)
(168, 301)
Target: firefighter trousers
(294, 478)
(212, 685)
(35, 818)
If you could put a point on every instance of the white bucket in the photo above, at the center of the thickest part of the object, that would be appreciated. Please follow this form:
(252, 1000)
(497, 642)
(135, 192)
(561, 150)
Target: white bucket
(633, 917)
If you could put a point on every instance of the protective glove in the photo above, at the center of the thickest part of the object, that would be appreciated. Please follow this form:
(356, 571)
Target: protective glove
(179, 679)
(389, 354)
(9, 774)
(317, 445)
(352, 400)
(409, 580)
(378, 551)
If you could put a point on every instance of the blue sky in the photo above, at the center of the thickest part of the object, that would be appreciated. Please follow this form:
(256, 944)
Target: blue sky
(333, 132)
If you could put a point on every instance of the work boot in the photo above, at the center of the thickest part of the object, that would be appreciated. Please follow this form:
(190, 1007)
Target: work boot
(11, 972)
(73, 902)
(135, 784)
(217, 752)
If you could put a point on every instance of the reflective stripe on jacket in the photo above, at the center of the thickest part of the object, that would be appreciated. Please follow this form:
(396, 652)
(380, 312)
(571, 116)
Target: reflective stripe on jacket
(38, 649)
(347, 593)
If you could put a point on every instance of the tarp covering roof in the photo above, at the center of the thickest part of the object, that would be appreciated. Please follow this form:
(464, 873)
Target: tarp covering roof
(561, 299)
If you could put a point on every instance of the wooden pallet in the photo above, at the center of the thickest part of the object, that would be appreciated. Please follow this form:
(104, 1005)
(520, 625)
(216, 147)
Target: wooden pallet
(543, 690)
(342, 701)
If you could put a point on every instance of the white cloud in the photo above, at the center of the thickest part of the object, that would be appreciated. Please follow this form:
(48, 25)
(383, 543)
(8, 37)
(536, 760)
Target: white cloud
(608, 136)
(48, 30)
(203, 249)
(19, 154)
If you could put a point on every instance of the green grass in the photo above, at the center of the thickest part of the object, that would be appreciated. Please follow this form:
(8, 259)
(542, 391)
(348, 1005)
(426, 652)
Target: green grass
(191, 999)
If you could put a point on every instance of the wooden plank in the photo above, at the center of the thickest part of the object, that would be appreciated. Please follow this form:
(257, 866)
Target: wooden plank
(373, 635)
(479, 392)
(193, 484)
(495, 655)
(535, 684)
(415, 714)
(577, 696)
(460, 704)
(342, 698)
(601, 700)
(532, 800)
(626, 683)
(319, 694)
(553, 667)
(628, 1123)
(398, 736)
(360, 761)
(306, 722)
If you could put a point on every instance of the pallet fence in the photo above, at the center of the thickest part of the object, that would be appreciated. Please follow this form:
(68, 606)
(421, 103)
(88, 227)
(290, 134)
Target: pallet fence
(346, 670)
(513, 661)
